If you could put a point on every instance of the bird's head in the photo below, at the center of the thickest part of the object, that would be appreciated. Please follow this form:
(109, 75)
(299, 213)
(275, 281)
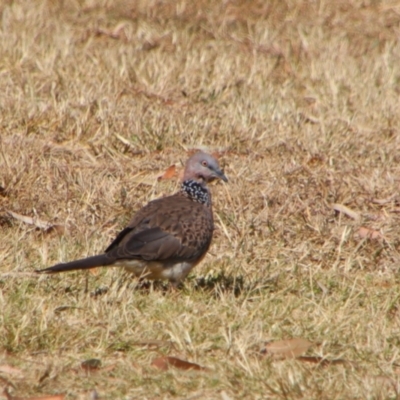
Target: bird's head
(203, 167)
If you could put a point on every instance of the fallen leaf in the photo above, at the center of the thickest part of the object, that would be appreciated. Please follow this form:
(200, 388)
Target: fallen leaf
(46, 226)
(346, 210)
(289, 348)
(94, 271)
(164, 363)
(384, 284)
(368, 233)
(44, 397)
(117, 33)
(91, 364)
(8, 369)
(316, 160)
(169, 173)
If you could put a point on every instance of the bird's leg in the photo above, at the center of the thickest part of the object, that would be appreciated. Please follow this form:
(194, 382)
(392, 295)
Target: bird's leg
(173, 288)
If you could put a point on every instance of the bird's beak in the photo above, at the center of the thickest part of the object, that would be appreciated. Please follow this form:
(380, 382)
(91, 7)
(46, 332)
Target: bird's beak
(219, 174)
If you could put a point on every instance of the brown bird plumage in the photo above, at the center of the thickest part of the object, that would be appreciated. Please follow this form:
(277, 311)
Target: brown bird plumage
(168, 236)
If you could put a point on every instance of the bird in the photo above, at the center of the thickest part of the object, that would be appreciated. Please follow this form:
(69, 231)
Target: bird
(169, 236)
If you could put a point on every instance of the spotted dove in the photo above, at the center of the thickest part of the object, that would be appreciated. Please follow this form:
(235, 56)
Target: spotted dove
(168, 236)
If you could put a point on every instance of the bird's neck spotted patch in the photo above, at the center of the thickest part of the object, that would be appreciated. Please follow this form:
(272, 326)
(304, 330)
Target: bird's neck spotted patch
(196, 192)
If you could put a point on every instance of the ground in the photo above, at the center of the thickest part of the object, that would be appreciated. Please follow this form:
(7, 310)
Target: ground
(299, 100)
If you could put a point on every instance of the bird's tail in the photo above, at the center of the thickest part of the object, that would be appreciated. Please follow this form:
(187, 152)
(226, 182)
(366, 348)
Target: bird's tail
(84, 263)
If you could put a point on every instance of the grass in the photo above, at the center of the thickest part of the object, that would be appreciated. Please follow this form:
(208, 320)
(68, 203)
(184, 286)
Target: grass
(301, 101)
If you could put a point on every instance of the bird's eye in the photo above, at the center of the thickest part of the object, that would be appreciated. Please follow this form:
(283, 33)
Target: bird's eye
(204, 163)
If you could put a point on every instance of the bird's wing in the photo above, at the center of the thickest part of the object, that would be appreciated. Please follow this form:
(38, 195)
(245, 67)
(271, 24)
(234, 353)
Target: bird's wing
(172, 229)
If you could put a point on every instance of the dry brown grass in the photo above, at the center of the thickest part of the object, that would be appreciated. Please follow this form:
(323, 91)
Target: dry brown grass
(302, 99)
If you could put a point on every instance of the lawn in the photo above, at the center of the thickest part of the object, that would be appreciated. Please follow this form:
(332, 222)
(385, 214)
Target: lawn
(300, 101)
